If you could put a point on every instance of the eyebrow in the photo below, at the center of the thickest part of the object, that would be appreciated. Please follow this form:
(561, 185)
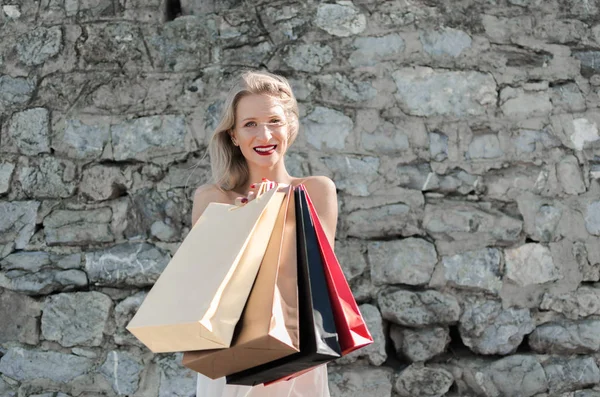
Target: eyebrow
(254, 118)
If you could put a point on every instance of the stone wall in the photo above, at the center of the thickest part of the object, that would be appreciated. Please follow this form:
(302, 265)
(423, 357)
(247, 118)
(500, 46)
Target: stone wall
(462, 136)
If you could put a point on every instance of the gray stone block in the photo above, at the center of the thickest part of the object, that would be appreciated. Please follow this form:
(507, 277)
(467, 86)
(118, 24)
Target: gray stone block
(149, 138)
(360, 381)
(420, 344)
(20, 317)
(486, 328)
(583, 302)
(531, 264)
(570, 374)
(517, 375)
(126, 265)
(342, 19)
(418, 309)
(476, 270)
(175, 380)
(48, 177)
(371, 50)
(28, 132)
(29, 365)
(417, 380)
(122, 370)
(17, 222)
(592, 218)
(76, 319)
(566, 337)
(6, 173)
(409, 261)
(465, 94)
(327, 128)
(78, 227)
(308, 57)
(445, 42)
(15, 91)
(39, 45)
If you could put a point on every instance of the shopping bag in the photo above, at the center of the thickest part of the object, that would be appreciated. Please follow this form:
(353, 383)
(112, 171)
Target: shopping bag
(318, 338)
(349, 323)
(268, 329)
(199, 297)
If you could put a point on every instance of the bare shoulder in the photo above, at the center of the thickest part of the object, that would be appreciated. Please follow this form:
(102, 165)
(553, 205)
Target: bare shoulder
(205, 195)
(320, 185)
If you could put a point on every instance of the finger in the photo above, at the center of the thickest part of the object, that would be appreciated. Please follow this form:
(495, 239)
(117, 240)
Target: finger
(239, 201)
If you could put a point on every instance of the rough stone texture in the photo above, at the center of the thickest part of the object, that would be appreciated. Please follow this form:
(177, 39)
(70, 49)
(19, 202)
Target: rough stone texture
(445, 41)
(566, 337)
(370, 50)
(592, 218)
(417, 380)
(126, 264)
(517, 375)
(477, 270)
(122, 370)
(468, 93)
(149, 138)
(78, 227)
(570, 374)
(26, 365)
(569, 175)
(76, 319)
(15, 91)
(530, 264)
(419, 344)
(28, 132)
(487, 328)
(81, 140)
(6, 173)
(39, 44)
(124, 312)
(375, 352)
(327, 128)
(462, 137)
(476, 226)
(583, 302)
(358, 381)
(175, 380)
(103, 183)
(17, 222)
(20, 315)
(308, 57)
(48, 177)
(418, 309)
(341, 19)
(409, 261)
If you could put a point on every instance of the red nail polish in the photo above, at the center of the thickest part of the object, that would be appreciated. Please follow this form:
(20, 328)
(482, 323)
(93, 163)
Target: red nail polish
(244, 200)
(264, 179)
(252, 186)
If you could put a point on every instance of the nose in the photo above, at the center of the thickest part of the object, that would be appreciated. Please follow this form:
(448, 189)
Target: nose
(264, 132)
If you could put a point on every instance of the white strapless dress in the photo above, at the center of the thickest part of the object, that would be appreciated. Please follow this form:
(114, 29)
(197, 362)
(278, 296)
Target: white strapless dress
(310, 384)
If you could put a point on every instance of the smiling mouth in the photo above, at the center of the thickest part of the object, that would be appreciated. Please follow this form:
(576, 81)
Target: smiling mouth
(265, 150)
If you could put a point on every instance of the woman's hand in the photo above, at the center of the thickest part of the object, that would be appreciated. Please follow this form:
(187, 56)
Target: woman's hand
(253, 192)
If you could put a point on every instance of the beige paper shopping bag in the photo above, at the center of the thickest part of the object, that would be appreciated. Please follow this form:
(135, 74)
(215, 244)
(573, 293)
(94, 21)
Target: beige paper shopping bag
(268, 329)
(197, 301)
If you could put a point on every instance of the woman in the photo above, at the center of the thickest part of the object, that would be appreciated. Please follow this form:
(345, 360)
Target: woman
(259, 123)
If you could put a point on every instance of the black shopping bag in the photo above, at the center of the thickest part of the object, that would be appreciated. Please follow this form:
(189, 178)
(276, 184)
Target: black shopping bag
(318, 337)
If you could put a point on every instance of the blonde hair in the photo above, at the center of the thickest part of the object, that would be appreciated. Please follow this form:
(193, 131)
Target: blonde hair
(229, 167)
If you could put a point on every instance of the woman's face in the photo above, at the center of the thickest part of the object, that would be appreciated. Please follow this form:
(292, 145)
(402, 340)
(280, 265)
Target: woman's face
(261, 130)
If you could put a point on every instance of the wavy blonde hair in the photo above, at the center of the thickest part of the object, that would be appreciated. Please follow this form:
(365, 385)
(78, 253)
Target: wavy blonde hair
(229, 167)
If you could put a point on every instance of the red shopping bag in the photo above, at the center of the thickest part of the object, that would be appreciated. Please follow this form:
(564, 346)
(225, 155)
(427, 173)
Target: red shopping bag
(350, 325)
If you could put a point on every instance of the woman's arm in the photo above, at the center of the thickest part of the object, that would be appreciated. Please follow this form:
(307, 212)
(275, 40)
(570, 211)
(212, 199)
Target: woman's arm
(323, 194)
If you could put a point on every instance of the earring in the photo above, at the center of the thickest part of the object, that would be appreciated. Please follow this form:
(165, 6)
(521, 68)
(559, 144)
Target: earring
(234, 141)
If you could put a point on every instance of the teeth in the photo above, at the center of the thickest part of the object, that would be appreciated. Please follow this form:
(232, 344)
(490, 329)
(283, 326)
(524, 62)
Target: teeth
(264, 149)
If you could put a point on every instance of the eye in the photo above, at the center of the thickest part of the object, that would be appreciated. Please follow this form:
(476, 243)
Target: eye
(275, 121)
(250, 124)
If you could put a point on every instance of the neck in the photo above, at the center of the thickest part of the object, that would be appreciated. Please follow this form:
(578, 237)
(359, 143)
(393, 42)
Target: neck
(278, 174)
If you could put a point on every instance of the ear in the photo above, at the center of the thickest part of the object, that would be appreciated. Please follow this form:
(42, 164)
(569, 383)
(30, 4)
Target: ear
(232, 137)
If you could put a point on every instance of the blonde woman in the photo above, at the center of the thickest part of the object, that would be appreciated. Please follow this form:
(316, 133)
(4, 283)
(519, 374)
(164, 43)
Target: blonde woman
(258, 125)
